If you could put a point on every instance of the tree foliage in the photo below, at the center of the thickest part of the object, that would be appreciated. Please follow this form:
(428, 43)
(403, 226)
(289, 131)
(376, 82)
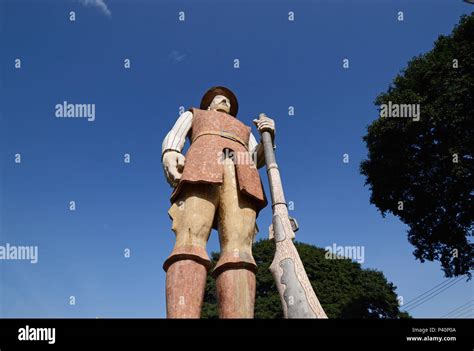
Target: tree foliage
(344, 289)
(422, 171)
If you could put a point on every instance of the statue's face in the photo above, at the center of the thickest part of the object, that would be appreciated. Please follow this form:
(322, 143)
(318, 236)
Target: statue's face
(220, 103)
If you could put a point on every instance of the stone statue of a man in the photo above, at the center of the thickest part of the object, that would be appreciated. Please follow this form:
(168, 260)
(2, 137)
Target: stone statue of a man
(213, 189)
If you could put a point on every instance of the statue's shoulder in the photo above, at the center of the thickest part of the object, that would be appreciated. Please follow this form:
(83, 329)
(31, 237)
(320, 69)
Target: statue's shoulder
(194, 110)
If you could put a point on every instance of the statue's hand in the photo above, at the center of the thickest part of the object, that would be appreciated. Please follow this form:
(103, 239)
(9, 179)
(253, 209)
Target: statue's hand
(265, 124)
(173, 165)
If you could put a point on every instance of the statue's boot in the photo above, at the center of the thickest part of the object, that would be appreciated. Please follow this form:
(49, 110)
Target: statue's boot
(236, 293)
(185, 284)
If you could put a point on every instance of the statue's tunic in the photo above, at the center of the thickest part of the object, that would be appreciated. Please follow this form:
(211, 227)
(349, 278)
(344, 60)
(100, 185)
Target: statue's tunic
(213, 132)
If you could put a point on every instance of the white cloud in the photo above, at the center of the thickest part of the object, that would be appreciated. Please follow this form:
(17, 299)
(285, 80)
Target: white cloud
(176, 56)
(99, 4)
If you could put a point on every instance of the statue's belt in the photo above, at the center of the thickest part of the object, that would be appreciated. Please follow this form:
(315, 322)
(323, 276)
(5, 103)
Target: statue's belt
(223, 134)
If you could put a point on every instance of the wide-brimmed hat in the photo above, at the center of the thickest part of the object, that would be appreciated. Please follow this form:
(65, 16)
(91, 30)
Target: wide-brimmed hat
(211, 93)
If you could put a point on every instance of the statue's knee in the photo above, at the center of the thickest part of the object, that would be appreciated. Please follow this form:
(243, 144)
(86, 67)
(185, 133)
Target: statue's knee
(196, 232)
(235, 257)
(188, 252)
(232, 240)
(191, 228)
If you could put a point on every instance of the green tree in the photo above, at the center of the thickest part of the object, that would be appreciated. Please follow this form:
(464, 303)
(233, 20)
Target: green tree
(344, 289)
(422, 171)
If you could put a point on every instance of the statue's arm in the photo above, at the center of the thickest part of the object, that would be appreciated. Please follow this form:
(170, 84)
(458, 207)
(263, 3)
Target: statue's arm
(173, 160)
(256, 150)
(176, 137)
(264, 123)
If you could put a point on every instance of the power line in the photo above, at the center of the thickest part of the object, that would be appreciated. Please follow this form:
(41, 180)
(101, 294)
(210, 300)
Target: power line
(433, 294)
(430, 291)
(430, 296)
(469, 307)
(440, 285)
(459, 308)
(464, 314)
(464, 310)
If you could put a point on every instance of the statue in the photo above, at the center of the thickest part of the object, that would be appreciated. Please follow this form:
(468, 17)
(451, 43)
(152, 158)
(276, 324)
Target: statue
(213, 189)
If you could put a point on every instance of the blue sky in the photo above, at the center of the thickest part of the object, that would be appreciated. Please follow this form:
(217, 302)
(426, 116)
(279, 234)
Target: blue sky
(119, 206)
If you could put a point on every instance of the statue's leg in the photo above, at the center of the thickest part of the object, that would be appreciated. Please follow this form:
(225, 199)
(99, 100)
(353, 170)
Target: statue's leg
(235, 270)
(186, 268)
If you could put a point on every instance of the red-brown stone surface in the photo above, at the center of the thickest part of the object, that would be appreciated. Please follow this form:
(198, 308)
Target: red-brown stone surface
(202, 159)
(236, 293)
(185, 283)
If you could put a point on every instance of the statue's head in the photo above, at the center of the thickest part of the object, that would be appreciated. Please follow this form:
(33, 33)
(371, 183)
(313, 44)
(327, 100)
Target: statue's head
(220, 99)
(220, 103)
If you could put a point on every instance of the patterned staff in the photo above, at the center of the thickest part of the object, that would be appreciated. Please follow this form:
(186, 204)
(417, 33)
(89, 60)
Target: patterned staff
(297, 296)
